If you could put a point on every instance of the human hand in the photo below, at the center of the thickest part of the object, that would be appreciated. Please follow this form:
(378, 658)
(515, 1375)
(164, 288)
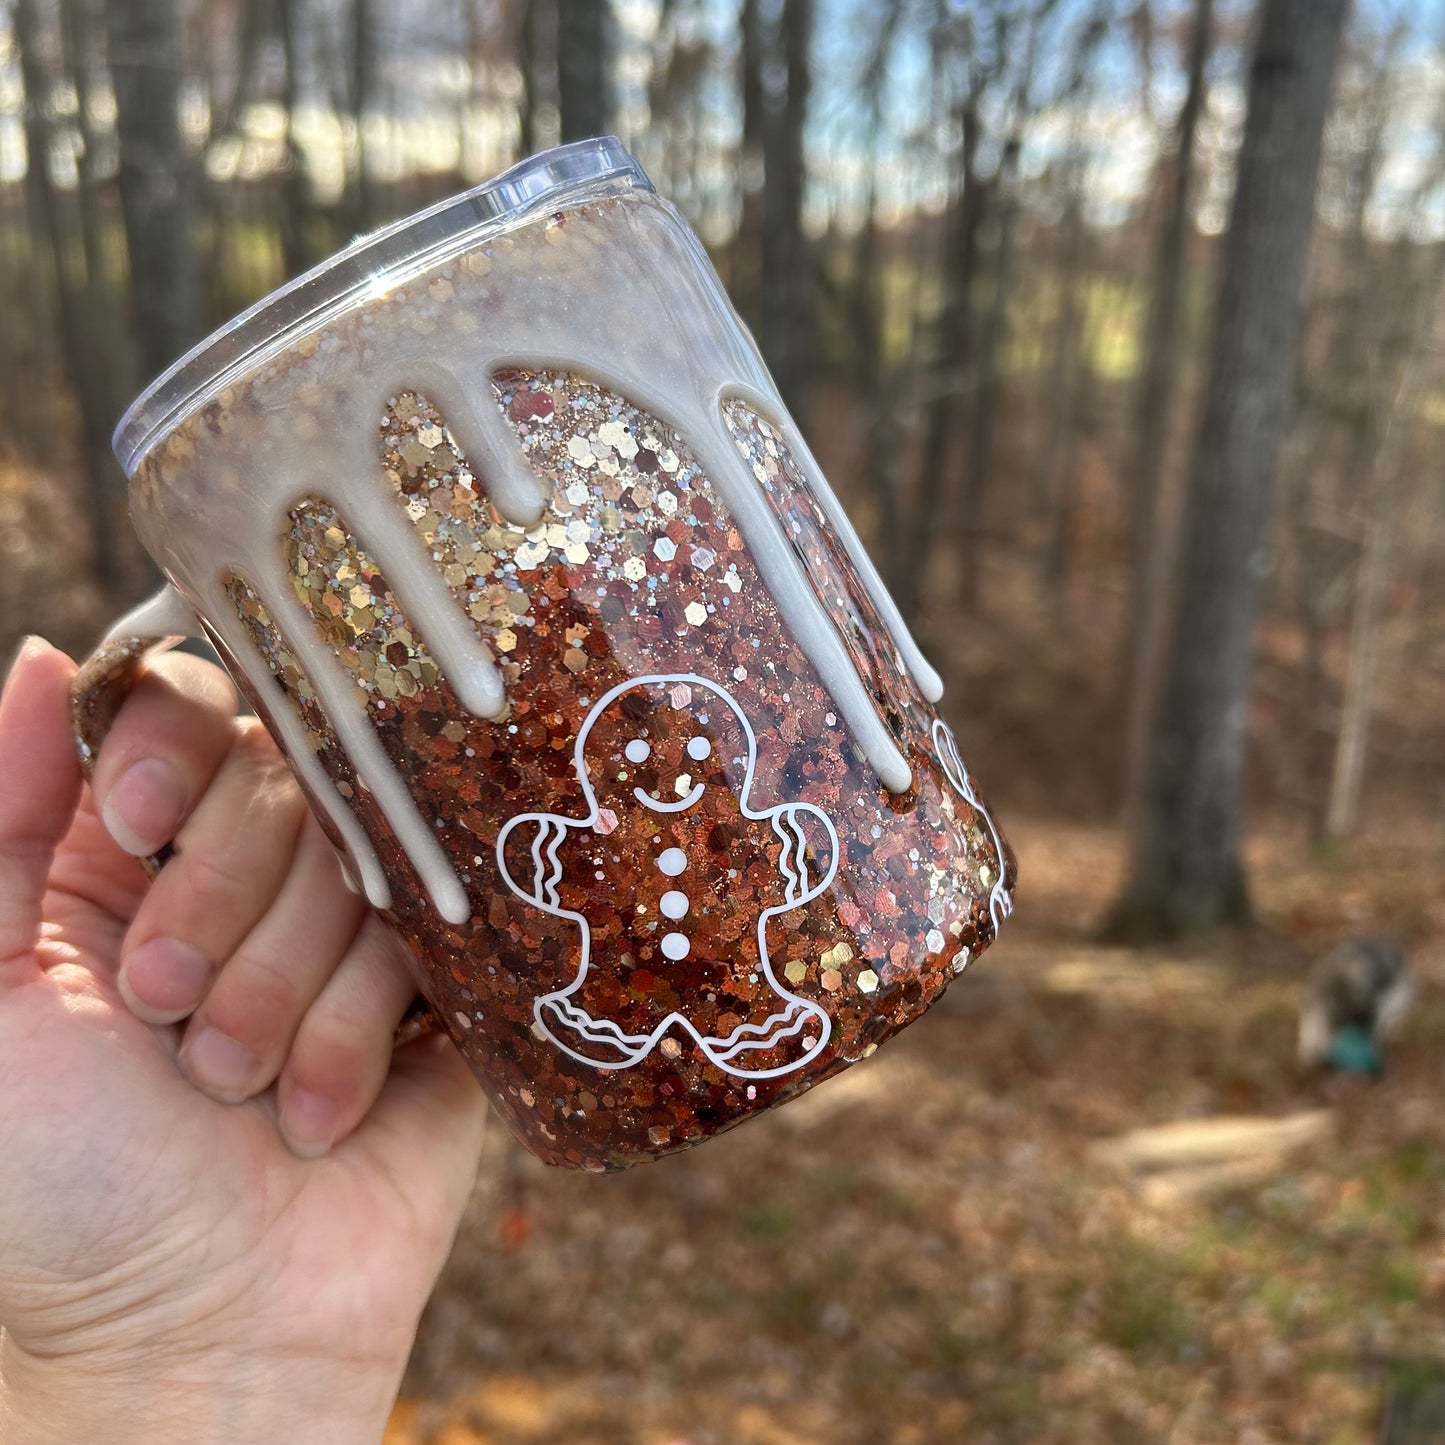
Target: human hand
(169, 1268)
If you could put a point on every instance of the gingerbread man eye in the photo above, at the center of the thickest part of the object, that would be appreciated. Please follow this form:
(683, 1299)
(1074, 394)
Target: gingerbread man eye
(637, 750)
(698, 749)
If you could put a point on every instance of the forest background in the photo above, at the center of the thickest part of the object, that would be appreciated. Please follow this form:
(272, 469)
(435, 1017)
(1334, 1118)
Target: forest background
(1117, 325)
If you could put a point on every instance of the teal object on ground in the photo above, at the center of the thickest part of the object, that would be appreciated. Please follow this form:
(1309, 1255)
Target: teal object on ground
(1353, 1051)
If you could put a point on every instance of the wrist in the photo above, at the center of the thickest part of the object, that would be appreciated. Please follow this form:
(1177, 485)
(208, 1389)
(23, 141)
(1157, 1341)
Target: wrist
(195, 1398)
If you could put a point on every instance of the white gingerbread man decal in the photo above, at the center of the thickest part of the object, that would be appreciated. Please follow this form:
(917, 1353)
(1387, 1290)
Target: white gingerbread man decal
(1000, 901)
(659, 730)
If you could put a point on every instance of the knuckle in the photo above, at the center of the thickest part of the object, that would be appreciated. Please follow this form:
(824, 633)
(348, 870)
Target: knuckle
(163, 715)
(209, 877)
(329, 1055)
(256, 996)
(335, 1030)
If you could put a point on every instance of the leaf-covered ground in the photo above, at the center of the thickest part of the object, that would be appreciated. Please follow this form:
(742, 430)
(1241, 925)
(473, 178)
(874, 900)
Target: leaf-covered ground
(925, 1250)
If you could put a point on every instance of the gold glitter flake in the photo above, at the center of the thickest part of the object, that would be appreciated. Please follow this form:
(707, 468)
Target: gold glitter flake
(355, 611)
(284, 665)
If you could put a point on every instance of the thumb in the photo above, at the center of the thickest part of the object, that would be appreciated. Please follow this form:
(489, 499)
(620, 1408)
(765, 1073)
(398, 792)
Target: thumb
(427, 1130)
(39, 790)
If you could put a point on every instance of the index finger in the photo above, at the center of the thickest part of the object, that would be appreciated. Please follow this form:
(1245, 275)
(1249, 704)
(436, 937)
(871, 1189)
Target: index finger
(39, 789)
(163, 750)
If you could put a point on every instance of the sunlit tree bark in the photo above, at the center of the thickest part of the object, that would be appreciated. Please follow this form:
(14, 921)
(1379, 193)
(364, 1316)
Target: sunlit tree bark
(1151, 543)
(364, 67)
(582, 68)
(105, 511)
(785, 324)
(1185, 867)
(156, 180)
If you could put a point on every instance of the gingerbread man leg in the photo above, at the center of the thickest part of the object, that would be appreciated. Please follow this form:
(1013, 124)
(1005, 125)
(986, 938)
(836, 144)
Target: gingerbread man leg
(570, 1028)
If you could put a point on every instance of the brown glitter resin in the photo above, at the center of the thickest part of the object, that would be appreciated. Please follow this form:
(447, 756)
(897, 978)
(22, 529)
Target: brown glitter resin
(637, 571)
(691, 898)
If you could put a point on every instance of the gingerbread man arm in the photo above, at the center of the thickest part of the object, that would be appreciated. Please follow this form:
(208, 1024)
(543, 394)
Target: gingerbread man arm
(809, 860)
(539, 885)
(1000, 899)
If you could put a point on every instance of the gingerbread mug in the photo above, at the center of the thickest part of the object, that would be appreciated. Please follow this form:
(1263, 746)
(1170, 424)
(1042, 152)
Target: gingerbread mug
(500, 524)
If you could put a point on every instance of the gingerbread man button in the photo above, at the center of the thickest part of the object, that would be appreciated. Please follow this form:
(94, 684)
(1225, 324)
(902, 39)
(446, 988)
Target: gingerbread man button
(671, 879)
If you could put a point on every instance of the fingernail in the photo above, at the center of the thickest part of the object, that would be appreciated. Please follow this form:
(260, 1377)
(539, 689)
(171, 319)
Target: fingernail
(308, 1122)
(30, 644)
(144, 809)
(166, 977)
(219, 1065)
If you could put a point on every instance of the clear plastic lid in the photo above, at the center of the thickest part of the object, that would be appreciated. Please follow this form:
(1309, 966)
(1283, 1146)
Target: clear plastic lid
(546, 182)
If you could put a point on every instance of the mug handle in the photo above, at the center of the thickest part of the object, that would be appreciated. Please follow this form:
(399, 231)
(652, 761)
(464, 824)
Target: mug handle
(99, 690)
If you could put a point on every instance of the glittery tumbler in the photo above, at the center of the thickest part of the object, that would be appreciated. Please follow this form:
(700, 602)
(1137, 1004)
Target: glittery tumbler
(500, 524)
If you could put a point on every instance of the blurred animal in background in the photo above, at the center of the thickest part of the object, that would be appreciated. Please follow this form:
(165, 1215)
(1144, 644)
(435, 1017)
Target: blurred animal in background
(1358, 997)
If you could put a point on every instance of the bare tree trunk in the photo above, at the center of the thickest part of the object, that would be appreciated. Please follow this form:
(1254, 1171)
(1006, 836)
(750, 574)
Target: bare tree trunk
(952, 372)
(1185, 868)
(363, 101)
(155, 178)
(28, 344)
(582, 68)
(103, 482)
(746, 269)
(293, 178)
(526, 28)
(105, 318)
(992, 336)
(1349, 417)
(1064, 515)
(77, 19)
(1055, 487)
(868, 307)
(1383, 498)
(220, 205)
(1151, 546)
(1347, 783)
(1302, 448)
(993, 331)
(785, 325)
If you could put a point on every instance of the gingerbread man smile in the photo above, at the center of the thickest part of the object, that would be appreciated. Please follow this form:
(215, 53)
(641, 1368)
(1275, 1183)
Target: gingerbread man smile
(698, 749)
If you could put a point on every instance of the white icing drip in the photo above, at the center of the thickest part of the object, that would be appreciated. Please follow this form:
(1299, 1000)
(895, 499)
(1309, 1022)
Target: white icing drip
(345, 708)
(298, 746)
(930, 684)
(167, 614)
(382, 529)
(621, 295)
(482, 432)
(815, 630)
